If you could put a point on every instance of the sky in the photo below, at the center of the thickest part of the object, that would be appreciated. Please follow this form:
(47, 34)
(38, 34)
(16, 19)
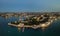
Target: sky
(29, 5)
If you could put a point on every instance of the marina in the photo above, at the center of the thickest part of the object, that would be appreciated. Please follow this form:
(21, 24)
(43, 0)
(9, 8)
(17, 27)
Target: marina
(34, 21)
(24, 24)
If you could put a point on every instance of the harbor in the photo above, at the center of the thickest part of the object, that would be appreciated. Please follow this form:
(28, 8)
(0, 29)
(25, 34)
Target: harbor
(23, 27)
(42, 21)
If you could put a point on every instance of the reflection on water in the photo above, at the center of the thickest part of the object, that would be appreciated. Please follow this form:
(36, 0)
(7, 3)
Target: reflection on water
(5, 30)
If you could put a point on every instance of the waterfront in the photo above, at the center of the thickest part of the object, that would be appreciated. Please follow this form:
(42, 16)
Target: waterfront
(53, 30)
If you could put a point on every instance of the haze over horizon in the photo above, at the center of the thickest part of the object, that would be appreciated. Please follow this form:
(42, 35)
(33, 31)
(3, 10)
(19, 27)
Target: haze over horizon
(29, 5)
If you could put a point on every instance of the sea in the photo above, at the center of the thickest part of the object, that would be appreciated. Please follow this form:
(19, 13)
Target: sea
(5, 30)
